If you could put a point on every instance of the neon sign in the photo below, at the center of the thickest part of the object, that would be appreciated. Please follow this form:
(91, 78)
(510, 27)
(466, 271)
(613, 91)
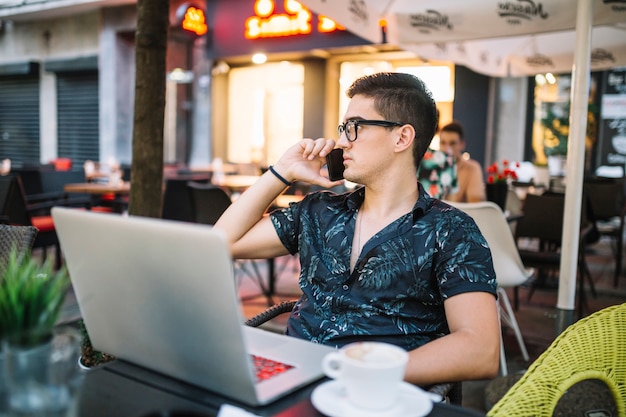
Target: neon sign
(194, 20)
(327, 25)
(295, 21)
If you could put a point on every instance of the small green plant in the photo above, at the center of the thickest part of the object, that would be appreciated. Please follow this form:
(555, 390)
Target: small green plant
(31, 297)
(89, 356)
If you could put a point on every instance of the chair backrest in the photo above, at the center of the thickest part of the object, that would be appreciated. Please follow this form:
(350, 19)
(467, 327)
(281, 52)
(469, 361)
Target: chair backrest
(509, 268)
(513, 203)
(54, 181)
(592, 348)
(177, 203)
(13, 201)
(209, 202)
(606, 196)
(18, 238)
(543, 218)
(31, 178)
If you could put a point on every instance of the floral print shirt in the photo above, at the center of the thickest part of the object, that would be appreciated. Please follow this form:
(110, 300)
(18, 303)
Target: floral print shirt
(438, 174)
(402, 277)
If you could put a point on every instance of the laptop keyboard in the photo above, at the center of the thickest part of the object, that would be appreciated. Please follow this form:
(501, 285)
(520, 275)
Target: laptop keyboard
(267, 368)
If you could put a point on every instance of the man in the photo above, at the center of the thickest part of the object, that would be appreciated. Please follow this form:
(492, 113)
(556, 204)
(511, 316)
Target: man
(385, 262)
(470, 182)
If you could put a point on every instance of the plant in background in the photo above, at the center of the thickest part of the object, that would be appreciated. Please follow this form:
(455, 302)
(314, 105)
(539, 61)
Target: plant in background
(555, 127)
(91, 357)
(31, 297)
(506, 174)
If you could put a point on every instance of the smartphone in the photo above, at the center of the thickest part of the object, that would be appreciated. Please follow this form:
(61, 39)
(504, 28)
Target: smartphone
(334, 162)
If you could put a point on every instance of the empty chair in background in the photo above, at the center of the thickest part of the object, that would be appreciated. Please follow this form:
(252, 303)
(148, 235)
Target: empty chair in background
(208, 201)
(177, 202)
(15, 211)
(542, 224)
(509, 268)
(608, 208)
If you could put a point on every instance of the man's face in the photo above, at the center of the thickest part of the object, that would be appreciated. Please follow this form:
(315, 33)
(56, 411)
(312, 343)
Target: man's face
(451, 143)
(372, 149)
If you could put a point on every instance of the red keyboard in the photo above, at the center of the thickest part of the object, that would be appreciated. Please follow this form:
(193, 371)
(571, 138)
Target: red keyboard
(267, 368)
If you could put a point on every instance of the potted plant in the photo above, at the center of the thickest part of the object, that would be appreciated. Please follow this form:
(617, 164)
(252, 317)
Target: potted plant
(555, 126)
(89, 356)
(542, 174)
(498, 181)
(556, 130)
(31, 297)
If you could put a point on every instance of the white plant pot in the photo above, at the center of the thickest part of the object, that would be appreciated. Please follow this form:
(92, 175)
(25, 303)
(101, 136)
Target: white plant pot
(556, 165)
(542, 176)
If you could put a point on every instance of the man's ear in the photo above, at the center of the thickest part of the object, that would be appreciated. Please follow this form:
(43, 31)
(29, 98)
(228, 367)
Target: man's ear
(406, 137)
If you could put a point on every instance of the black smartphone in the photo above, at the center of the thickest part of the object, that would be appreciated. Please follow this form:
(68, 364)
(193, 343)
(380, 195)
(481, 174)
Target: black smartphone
(334, 162)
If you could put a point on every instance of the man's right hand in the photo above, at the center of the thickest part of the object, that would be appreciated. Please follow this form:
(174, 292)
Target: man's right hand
(304, 161)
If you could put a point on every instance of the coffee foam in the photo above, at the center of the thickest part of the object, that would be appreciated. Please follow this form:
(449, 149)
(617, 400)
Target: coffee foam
(370, 353)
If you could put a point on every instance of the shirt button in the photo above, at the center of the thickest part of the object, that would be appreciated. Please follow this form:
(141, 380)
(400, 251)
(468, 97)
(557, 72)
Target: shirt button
(345, 287)
(333, 318)
(314, 341)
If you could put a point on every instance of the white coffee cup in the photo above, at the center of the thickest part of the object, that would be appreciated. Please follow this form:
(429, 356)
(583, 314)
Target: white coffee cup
(370, 372)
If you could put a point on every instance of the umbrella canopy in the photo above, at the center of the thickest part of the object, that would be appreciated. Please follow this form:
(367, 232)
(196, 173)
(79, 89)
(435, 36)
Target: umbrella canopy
(508, 38)
(494, 37)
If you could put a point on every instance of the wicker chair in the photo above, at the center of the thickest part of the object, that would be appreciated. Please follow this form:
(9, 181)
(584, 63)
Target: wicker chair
(592, 348)
(18, 238)
(451, 392)
(15, 211)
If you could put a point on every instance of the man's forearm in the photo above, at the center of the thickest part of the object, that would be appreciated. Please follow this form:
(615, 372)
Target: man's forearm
(455, 357)
(249, 208)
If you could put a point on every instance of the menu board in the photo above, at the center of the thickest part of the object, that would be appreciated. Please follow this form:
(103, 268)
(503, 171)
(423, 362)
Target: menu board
(613, 119)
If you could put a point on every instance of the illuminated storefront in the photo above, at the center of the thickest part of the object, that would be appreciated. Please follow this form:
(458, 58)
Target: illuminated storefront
(220, 102)
(261, 109)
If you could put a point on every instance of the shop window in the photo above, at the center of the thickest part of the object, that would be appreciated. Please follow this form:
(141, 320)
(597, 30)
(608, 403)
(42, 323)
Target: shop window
(551, 121)
(265, 111)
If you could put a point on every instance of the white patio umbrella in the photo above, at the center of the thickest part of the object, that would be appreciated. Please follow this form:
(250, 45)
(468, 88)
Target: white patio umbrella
(494, 37)
(508, 38)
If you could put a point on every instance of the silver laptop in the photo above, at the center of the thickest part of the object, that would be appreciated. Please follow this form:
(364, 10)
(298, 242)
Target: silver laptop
(161, 294)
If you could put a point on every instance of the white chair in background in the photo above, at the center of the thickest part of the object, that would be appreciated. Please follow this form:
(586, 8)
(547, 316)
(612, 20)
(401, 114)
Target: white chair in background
(510, 271)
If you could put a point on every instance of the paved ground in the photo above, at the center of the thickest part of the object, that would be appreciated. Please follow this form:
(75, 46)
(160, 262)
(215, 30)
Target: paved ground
(536, 317)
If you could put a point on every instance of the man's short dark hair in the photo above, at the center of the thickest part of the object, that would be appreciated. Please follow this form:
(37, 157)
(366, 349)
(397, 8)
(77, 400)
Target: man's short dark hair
(454, 127)
(401, 98)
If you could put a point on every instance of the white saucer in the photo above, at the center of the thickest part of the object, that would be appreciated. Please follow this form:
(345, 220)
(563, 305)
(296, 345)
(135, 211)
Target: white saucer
(329, 398)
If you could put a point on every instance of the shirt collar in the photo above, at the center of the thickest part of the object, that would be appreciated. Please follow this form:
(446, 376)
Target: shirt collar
(355, 198)
(422, 205)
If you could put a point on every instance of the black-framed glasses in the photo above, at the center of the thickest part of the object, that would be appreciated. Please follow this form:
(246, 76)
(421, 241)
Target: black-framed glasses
(351, 127)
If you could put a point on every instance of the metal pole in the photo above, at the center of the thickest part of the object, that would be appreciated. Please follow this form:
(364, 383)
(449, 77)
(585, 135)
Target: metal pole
(575, 166)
